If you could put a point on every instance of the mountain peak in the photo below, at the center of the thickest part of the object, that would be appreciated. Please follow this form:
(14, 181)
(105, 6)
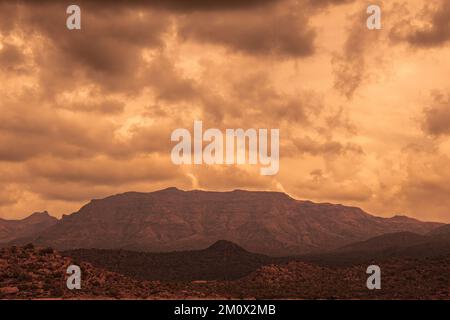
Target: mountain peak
(225, 245)
(27, 227)
(37, 217)
(171, 189)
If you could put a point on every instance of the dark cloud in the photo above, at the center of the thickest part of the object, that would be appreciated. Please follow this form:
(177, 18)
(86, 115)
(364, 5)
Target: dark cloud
(29, 129)
(11, 58)
(255, 95)
(203, 4)
(438, 33)
(313, 147)
(176, 5)
(8, 13)
(8, 195)
(103, 170)
(435, 33)
(168, 82)
(104, 106)
(350, 65)
(280, 31)
(25, 136)
(322, 3)
(437, 117)
(106, 51)
(110, 46)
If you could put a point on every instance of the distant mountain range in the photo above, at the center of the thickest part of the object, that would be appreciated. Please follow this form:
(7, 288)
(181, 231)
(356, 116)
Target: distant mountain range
(270, 223)
(28, 227)
(398, 245)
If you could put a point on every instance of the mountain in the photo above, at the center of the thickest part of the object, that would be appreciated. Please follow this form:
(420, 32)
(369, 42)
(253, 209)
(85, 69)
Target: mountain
(441, 231)
(223, 260)
(270, 223)
(28, 227)
(399, 245)
(385, 242)
(436, 242)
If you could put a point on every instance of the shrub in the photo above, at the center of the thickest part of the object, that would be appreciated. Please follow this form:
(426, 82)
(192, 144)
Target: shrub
(24, 277)
(29, 246)
(56, 292)
(46, 251)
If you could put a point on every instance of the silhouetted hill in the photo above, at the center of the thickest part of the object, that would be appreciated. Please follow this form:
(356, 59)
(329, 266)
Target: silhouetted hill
(223, 260)
(264, 222)
(394, 245)
(385, 241)
(442, 230)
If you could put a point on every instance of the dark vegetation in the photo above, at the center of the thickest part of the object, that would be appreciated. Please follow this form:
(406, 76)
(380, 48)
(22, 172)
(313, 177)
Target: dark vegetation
(223, 260)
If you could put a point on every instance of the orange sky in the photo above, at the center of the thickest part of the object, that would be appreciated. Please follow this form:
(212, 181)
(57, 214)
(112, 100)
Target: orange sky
(364, 115)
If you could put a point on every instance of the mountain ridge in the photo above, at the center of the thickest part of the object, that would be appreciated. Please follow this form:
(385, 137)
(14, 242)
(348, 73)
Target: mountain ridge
(264, 222)
(26, 227)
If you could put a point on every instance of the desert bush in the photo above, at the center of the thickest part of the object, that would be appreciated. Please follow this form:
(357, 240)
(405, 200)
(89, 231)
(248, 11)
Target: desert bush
(29, 246)
(23, 255)
(24, 277)
(56, 292)
(46, 251)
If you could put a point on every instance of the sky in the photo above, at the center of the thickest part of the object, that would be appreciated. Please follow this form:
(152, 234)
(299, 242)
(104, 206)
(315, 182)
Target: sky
(364, 115)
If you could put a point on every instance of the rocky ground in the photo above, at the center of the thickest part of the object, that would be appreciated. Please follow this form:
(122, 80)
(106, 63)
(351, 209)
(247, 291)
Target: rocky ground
(39, 273)
(400, 279)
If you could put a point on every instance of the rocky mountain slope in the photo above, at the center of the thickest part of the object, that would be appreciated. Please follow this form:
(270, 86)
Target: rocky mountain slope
(263, 222)
(399, 245)
(28, 227)
(401, 279)
(40, 273)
